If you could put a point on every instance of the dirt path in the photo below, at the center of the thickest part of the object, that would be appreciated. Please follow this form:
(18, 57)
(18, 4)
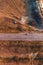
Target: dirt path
(22, 36)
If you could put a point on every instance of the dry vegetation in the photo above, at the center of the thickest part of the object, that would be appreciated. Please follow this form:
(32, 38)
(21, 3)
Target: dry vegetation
(11, 11)
(17, 52)
(9, 25)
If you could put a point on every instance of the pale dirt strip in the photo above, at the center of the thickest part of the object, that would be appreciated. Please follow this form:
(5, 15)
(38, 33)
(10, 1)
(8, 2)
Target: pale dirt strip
(22, 36)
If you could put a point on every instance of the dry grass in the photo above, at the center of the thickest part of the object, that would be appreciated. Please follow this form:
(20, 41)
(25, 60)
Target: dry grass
(12, 50)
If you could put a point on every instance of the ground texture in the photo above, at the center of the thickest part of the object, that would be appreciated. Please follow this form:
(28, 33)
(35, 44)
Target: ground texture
(19, 53)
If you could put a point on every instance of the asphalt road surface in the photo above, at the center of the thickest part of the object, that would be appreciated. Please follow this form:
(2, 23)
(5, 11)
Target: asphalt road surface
(22, 36)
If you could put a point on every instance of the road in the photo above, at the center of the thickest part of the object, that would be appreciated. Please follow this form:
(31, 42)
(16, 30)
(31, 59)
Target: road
(22, 36)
